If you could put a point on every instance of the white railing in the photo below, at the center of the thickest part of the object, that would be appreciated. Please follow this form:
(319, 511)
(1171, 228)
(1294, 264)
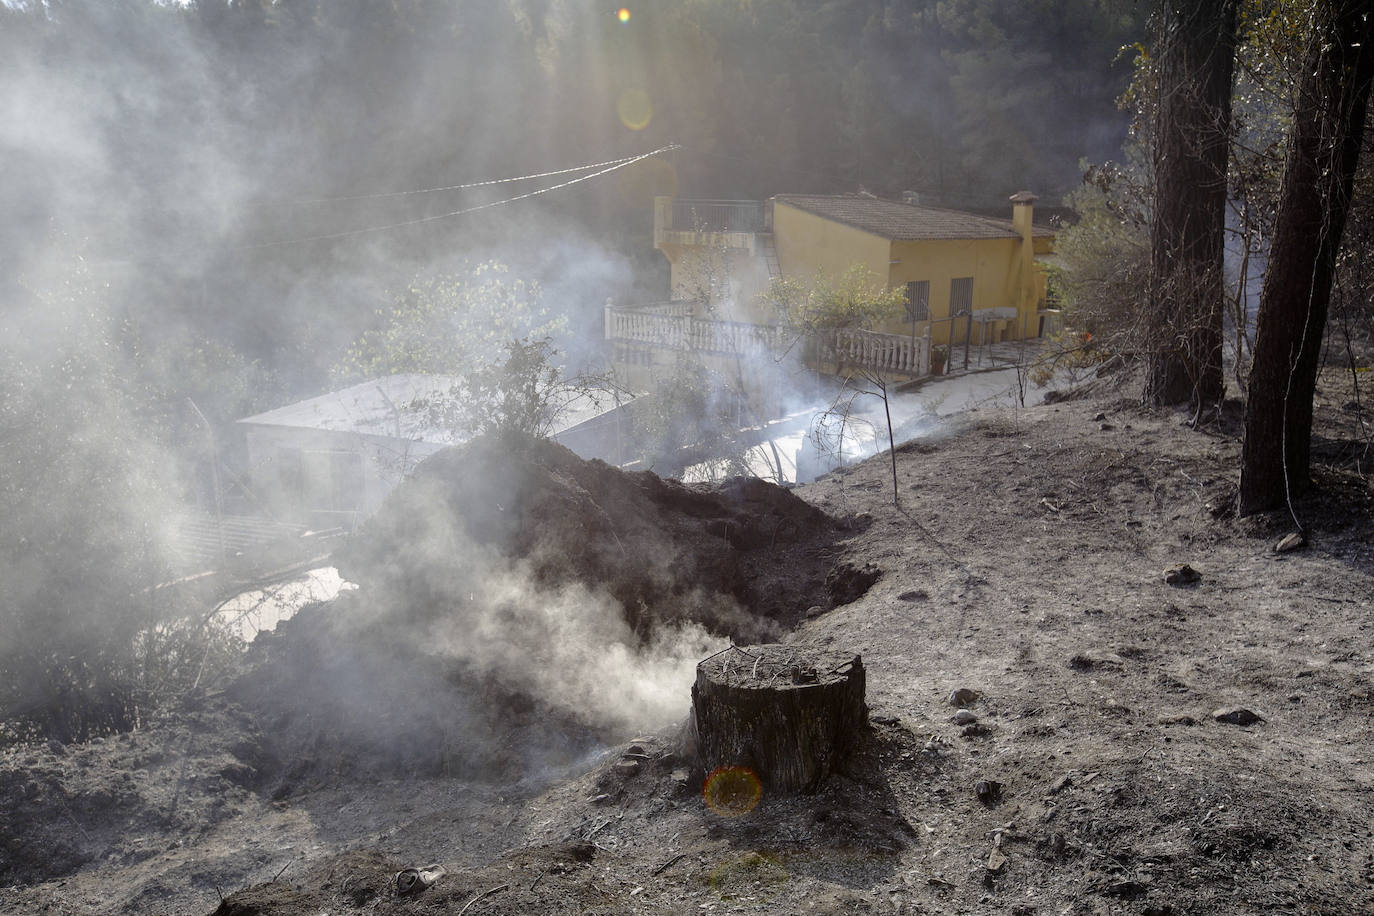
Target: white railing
(675, 308)
(895, 353)
(883, 352)
(683, 332)
(715, 216)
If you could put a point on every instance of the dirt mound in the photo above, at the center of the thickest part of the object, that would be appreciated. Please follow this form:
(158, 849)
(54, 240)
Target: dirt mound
(518, 606)
(742, 557)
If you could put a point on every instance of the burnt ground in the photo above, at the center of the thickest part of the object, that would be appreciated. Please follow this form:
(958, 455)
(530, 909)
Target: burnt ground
(1026, 562)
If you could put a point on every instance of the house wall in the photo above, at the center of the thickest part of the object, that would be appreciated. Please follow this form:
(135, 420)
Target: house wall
(994, 265)
(727, 280)
(326, 478)
(806, 242)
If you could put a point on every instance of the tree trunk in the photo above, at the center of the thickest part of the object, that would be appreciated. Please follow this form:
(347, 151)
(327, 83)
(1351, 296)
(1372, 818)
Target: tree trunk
(1323, 152)
(790, 715)
(1196, 56)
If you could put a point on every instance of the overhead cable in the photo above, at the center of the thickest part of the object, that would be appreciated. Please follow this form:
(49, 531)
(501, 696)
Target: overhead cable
(618, 164)
(472, 184)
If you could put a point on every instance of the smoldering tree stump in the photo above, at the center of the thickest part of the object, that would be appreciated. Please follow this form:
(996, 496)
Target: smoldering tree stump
(789, 714)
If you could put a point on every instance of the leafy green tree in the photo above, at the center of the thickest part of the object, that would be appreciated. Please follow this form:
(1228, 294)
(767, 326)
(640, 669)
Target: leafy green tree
(450, 323)
(1103, 259)
(857, 298)
(525, 392)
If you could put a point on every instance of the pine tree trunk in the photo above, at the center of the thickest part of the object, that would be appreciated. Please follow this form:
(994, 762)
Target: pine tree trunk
(1196, 54)
(1323, 153)
(789, 714)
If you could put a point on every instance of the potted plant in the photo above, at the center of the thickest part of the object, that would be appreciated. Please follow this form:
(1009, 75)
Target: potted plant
(938, 356)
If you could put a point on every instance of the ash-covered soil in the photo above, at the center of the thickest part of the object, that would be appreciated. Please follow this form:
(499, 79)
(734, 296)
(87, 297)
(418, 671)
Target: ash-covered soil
(1025, 564)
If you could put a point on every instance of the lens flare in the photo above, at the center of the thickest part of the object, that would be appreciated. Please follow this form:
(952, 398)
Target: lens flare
(635, 109)
(623, 15)
(732, 791)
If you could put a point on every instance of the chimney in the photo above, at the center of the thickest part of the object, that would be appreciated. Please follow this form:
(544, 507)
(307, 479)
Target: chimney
(913, 198)
(1022, 209)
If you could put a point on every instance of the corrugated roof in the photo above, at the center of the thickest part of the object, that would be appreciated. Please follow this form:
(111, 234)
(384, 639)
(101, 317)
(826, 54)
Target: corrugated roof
(398, 406)
(905, 222)
(393, 405)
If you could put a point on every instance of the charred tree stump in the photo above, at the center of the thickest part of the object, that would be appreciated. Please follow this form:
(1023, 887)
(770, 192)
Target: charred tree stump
(789, 714)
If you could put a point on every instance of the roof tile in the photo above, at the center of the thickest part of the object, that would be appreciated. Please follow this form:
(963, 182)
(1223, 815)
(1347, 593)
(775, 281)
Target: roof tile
(905, 222)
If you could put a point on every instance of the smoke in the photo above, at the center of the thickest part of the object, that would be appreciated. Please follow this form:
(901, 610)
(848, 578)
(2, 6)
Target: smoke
(572, 648)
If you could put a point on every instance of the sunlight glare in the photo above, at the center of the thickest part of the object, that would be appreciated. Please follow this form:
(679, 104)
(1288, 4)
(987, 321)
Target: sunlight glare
(635, 109)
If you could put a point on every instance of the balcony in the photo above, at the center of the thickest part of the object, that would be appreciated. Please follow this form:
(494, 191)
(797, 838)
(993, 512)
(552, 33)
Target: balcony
(713, 223)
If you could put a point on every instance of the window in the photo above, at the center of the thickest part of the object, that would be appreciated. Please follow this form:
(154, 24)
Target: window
(918, 300)
(960, 296)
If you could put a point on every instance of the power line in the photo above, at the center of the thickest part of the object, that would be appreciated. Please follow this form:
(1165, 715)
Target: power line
(619, 164)
(472, 184)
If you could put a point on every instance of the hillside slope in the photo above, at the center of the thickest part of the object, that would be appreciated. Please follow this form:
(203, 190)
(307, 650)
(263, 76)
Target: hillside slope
(1026, 562)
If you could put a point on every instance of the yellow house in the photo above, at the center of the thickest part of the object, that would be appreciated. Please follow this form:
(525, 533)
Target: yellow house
(951, 263)
(968, 277)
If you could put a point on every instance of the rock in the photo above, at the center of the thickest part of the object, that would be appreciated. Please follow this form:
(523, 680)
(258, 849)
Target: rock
(1291, 541)
(1126, 889)
(976, 730)
(964, 696)
(1090, 661)
(626, 768)
(239, 774)
(1060, 784)
(1181, 575)
(996, 860)
(1106, 427)
(1099, 417)
(847, 583)
(635, 749)
(919, 594)
(602, 799)
(57, 747)
(1237, 715)
(989, 791)
(964, 717)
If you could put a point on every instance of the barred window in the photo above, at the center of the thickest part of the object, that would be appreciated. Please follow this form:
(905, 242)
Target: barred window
(918, 300)
(960, 295)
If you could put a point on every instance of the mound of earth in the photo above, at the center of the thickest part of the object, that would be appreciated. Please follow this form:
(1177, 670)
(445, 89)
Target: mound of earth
(487, 585)
(744, 557)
